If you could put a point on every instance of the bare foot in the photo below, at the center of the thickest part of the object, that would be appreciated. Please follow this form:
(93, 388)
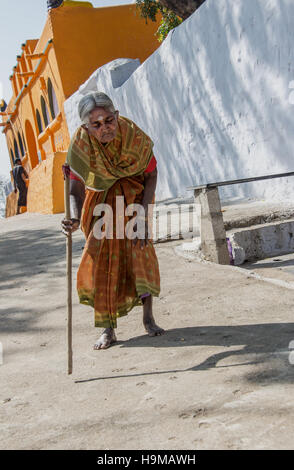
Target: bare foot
(152, 329)
(106, 339)
(148, 320)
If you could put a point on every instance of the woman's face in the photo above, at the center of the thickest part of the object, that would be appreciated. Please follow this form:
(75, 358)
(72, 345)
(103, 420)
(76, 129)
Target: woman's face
(103, 124)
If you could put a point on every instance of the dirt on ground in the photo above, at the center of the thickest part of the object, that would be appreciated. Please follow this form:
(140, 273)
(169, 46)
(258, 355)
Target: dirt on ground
(220, 378)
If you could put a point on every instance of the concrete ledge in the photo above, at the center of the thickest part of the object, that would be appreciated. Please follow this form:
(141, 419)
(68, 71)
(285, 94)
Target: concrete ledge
(239, 213)
(262, 241)
(121, 70)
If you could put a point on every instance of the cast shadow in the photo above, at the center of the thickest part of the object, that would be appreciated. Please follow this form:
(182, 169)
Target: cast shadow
(258, 344)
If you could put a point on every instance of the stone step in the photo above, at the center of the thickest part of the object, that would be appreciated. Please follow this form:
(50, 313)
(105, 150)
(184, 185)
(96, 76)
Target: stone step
(261, 241)
(255, 229)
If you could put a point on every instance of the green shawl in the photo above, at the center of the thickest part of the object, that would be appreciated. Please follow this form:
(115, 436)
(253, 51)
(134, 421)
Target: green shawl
(100, 166)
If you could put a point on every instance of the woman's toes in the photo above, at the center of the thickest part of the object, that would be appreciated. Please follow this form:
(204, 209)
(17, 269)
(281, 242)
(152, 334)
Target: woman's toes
(105, 341)
(160, 331)
(153, 330)
(151, 333)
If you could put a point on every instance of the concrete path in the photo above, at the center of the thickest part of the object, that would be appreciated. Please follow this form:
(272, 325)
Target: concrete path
(220, 378)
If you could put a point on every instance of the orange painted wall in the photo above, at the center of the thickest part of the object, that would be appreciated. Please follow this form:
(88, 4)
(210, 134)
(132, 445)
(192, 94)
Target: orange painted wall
(25, 120)
(85, 39)
(46, 188)
(58, 182)
(11, 204)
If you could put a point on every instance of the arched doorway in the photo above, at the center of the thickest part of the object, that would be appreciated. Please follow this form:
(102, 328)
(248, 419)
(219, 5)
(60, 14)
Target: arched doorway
(31, 143)
(12, 156)
(52, 100)
(16, 152)
(45, 112)
(20, 143)
(39, 121)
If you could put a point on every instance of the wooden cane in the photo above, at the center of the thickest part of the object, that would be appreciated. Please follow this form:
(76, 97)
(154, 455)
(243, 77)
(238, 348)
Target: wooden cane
(68, 275)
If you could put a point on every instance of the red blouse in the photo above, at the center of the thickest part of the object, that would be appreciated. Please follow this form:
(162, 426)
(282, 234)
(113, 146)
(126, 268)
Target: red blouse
(152, 165)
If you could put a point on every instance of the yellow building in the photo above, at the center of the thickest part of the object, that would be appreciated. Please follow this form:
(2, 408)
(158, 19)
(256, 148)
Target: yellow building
(76, 40)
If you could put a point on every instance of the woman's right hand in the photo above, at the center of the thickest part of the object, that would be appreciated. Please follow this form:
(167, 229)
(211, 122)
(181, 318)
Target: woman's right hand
(69, 226)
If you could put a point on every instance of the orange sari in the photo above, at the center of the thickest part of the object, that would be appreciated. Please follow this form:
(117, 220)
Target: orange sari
(113, 273)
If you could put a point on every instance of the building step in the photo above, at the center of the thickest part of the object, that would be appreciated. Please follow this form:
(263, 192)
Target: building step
(261, 241)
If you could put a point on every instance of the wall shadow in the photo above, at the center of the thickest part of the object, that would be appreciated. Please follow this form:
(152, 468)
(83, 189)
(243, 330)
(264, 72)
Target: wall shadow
(27, 253)
(32, 265)
(264, 344)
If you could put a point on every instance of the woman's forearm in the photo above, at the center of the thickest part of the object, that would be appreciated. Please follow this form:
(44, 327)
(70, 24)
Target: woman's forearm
(76, 204)
(77, 197)
(149, 189)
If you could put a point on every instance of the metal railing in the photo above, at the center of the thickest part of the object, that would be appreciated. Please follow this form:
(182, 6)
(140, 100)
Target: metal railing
(242, 180)
(213, 235)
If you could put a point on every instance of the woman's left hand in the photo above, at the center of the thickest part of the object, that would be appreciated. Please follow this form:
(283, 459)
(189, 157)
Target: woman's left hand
(69, 226)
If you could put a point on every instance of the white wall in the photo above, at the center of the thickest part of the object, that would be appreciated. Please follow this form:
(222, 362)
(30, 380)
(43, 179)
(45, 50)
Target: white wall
(215, 99)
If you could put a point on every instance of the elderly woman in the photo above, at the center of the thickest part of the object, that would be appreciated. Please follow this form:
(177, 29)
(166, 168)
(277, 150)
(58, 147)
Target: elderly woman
(112, 166)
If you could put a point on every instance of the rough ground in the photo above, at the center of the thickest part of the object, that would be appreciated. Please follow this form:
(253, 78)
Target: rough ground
(220, 378)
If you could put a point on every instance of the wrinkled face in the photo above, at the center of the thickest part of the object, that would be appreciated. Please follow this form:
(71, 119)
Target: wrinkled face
(103, 124)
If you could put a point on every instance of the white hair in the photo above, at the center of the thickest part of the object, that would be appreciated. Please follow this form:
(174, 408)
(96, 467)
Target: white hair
(92, 100)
